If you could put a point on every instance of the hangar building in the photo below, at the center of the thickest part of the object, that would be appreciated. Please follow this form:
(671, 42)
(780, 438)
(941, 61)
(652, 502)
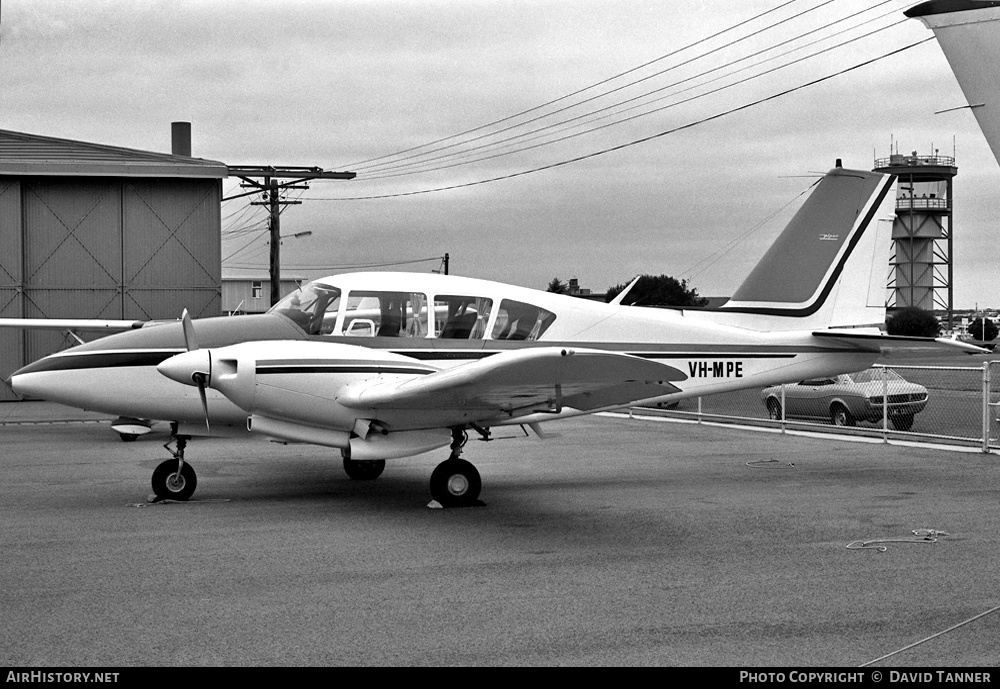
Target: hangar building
(95, 231)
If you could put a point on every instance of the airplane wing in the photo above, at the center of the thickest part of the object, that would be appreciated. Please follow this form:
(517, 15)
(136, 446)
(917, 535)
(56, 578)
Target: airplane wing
(901, 345)
(70, 324)
(524, 381)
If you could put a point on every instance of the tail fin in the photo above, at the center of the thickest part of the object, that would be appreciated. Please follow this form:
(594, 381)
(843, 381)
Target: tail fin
(969, 34)
(828, 267)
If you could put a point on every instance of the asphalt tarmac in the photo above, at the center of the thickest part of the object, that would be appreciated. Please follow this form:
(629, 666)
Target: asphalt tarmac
(622, 542)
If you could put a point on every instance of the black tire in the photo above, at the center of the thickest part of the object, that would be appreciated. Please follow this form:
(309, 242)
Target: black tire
(903, 422)
(168, 484)
(128, 437)
(455, 483)
(364, 469)
(774, 409)
(839, 416)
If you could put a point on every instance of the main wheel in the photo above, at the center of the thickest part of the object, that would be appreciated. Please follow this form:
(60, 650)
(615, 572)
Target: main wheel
(170, 484)
(839, 416)
(455, 482)
(903, 422)
(774, 409)
(364, 469)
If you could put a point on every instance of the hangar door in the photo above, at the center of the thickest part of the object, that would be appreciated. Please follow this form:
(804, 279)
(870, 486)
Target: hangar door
(11, 341)
(116, 248)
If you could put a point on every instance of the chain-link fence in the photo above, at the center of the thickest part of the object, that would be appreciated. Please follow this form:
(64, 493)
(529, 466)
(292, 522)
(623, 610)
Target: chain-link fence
(946, 404)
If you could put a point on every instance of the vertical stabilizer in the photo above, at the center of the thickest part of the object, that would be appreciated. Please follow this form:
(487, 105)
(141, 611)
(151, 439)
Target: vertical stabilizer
(828, 266)
(968, 32)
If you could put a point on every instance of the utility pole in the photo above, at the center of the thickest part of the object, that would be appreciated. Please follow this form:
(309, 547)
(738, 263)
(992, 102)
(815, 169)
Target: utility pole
(270, 189)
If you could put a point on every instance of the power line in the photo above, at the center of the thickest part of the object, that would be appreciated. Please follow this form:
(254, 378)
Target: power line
(416, 162)
(635, 142)
(362, 163)
(655, 110)
(659, 109)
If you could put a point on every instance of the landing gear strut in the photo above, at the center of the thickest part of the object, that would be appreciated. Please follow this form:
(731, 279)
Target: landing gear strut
(456, 482)
(174, 479)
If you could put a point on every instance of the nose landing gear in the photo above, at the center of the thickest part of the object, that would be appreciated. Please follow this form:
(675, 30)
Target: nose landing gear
(175, 479)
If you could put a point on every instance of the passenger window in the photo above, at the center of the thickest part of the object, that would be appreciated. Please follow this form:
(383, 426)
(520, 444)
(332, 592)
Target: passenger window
(519, 321)
(461, 317)
(385, 314)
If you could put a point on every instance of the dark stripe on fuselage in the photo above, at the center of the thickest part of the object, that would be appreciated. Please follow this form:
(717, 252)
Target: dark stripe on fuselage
(434, 355)
(309, 368)
(74, 362)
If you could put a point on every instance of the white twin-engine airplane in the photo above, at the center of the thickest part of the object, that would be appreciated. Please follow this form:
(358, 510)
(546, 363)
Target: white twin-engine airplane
(387, 365)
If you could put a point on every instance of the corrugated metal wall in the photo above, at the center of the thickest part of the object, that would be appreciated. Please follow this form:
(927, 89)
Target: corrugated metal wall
(104, 248)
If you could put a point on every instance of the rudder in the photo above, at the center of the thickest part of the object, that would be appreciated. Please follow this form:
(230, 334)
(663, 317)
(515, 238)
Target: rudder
(820, 272)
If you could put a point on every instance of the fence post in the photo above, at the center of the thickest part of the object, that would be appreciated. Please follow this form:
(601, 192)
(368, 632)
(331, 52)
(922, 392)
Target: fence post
(783, 412)
(885, 405)
(986, 407)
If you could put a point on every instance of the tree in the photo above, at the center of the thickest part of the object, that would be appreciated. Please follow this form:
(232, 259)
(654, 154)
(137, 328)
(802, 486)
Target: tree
(913, 321)
(659, 290)
(983, 329)
(558, 286)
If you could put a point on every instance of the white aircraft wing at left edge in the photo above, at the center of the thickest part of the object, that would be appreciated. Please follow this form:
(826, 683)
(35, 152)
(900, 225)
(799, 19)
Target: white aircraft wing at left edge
(95, 324)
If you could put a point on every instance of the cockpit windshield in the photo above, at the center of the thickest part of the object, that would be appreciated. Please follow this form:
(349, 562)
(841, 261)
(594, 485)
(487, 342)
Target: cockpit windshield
(313, 307)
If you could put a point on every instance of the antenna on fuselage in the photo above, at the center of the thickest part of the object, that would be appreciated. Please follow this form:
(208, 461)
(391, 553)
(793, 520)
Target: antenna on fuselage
(624, 293)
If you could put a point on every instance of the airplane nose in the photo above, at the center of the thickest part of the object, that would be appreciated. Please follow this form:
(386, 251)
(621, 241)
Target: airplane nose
(32, 385)
(184, 368)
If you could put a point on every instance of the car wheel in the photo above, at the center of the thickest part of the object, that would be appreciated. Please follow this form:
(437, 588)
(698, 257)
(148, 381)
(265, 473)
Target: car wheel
(774, 409)
(839, 416)
(903, 422)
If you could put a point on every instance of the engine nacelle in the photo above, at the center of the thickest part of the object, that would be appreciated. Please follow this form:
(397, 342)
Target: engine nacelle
(376, 446)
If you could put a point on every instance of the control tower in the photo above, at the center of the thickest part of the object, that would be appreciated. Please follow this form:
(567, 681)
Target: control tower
(921, 266)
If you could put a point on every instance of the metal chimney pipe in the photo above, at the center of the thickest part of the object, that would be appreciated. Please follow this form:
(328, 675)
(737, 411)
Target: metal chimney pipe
(180, 138)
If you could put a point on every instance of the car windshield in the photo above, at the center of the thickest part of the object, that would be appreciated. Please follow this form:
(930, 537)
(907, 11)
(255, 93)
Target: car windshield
(312, 307)
(874, 375)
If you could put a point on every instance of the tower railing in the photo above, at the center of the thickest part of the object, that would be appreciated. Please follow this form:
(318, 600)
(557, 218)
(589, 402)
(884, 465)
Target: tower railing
(907, 203)
(898, 160)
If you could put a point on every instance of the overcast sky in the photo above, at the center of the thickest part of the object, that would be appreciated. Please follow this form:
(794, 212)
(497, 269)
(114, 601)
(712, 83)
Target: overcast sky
(339, 83)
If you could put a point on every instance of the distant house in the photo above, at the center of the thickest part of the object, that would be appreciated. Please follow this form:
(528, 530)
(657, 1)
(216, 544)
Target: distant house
(246, 292)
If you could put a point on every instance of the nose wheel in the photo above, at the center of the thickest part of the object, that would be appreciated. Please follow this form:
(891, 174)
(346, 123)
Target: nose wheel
(175, 479)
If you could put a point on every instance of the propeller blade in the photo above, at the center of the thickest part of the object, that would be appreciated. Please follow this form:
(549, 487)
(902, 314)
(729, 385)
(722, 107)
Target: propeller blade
(199, 378)
(189, 339)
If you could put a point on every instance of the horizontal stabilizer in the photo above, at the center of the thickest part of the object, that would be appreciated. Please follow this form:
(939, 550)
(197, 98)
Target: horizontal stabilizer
(523, 381)
(901, 345)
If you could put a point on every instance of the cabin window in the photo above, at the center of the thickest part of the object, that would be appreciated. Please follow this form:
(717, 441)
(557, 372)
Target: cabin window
(385, 314)
(519, 321)
(313, 307)
(461, 317)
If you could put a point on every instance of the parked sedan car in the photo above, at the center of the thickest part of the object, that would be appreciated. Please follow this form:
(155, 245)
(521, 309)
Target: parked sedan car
(846, 399)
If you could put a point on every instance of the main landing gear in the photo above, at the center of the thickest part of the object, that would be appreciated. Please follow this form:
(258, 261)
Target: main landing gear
(456, 482)
(364, 469)
(174, 479)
